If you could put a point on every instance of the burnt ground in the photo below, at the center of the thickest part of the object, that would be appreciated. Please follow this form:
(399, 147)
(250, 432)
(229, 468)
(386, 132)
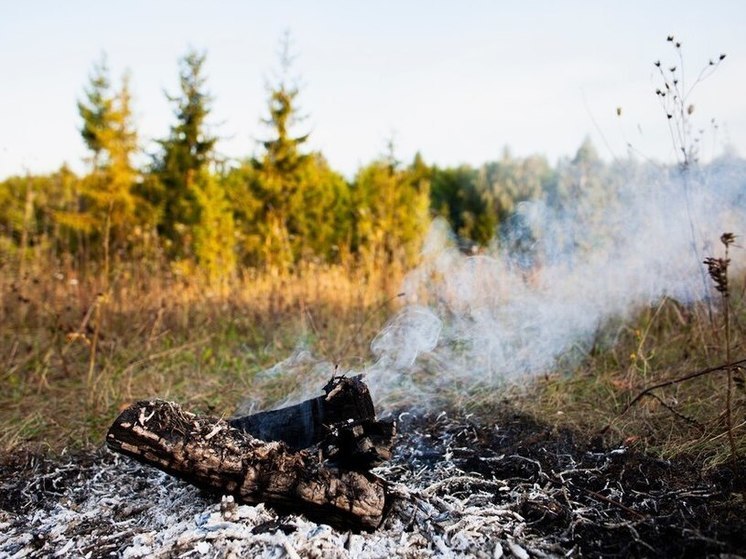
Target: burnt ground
(508, 487)
(595, 501)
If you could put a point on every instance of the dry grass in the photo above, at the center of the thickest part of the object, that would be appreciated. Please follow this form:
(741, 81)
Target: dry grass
(75, 351)
(665, 343)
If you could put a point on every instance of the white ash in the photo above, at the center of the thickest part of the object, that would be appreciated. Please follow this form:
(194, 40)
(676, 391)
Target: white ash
(115, 507)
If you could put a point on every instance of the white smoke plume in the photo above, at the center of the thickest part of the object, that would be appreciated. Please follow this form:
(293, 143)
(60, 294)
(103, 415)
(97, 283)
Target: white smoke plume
(503, 316)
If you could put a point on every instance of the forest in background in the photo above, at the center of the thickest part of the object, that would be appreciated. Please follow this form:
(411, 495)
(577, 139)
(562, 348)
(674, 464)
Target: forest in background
(190, 212)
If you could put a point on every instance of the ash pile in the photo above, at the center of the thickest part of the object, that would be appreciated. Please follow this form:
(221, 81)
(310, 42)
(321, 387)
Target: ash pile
(458, 486)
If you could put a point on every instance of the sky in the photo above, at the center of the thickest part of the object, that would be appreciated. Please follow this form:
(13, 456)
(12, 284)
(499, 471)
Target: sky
(456, 81)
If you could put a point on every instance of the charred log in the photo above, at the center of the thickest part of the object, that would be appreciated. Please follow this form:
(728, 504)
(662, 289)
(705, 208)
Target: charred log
(341, 423)
(306, 424)
(359, 445)
(213, 455)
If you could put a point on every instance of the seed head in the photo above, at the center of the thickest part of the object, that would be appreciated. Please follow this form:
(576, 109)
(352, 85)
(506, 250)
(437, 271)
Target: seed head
(727, 239)
(718, 270)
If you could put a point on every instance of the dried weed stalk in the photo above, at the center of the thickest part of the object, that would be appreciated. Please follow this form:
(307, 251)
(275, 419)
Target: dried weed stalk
(718, 270)
(674, 95)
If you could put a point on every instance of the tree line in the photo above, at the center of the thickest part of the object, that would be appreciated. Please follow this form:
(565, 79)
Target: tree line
(188, 208)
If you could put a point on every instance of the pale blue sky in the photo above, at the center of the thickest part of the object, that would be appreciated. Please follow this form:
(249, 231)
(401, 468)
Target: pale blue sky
(457, 81)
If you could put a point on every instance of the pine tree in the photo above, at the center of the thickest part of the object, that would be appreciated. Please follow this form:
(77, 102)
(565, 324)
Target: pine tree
(241, 185)
(581, 189)
(96, 109)
(303, 205)
(322, 216)
(457, 196)
(279, 170)
(108, 202)
(392, 211)
(580, 179)
(185, 156)
(214, 231)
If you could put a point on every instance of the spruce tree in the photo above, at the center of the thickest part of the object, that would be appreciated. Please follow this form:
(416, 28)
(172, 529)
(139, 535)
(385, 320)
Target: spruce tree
(95, 109)
(391, 211)
(456, 196)
(302, 204)
(185, 156)
(214, 232)
(279, 170)
(108, 202)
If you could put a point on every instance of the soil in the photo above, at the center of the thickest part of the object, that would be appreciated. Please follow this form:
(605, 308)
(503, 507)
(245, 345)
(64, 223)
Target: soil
(510, 486)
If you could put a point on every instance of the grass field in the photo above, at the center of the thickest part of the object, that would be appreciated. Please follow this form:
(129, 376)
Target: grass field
(75, 351)
(73, 355)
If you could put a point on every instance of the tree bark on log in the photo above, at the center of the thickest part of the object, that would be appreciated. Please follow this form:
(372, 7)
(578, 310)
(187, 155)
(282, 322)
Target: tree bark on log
(212, 454)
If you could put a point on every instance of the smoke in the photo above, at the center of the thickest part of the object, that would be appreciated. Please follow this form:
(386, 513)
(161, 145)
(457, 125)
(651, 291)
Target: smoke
(547, 289)
(544, 294)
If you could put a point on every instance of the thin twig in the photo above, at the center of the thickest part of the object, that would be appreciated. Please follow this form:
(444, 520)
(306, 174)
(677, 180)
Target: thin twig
(678, 414)
(690, 376)
(727, 239)
(605, 499)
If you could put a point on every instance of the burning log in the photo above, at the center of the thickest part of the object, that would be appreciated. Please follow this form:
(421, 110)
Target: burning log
(327, 481)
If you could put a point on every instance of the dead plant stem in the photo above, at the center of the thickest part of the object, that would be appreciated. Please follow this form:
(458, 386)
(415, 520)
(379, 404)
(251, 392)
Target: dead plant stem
(93, 351)
(729, 390)
(678, 380)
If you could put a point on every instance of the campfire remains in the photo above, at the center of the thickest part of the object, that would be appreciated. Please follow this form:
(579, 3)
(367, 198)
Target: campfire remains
(311, 458)
(495, 484)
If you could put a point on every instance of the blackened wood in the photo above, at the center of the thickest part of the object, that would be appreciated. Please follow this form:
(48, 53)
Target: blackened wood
(359, 445)
(306, 424)
(211, 454)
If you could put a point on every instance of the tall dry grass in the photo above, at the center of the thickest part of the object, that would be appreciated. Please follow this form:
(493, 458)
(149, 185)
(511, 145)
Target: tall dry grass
(77, 347)
(703, 417)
